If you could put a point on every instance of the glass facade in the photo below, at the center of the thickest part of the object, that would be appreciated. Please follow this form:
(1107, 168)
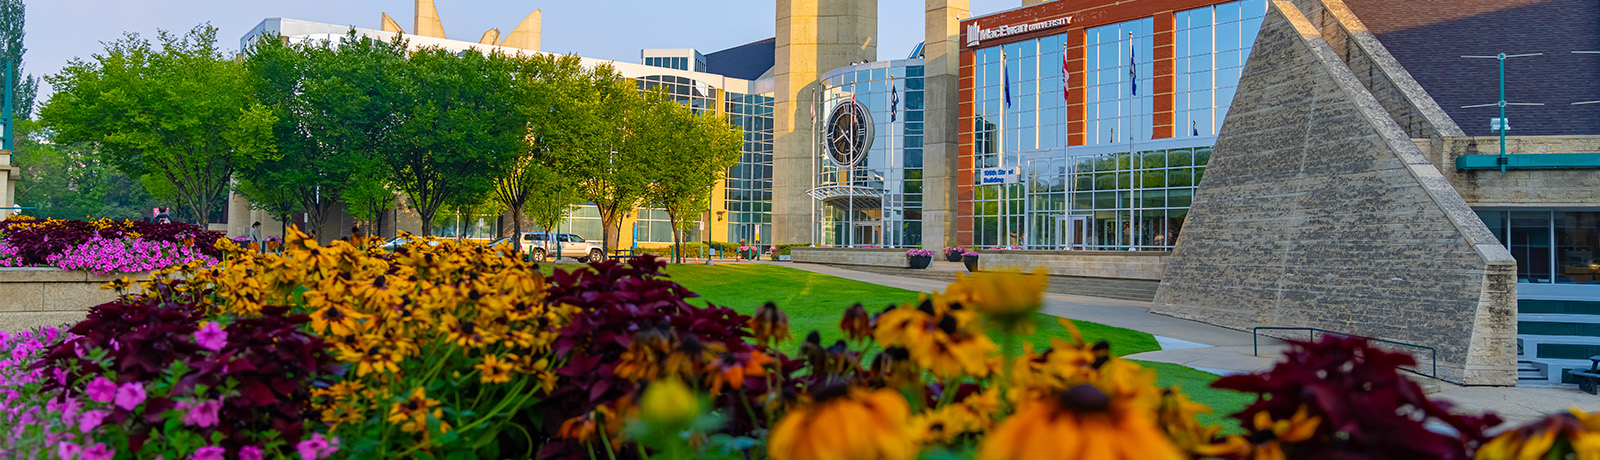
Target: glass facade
(878, 200)
(749, 184)
(680, 63)
(1125, 189)
(697, 95)
(1551, 246)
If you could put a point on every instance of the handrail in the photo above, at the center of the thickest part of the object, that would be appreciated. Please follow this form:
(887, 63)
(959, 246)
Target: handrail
(1255, 345)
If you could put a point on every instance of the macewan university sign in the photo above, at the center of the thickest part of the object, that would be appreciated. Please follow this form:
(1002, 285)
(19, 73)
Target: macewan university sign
(976, 33)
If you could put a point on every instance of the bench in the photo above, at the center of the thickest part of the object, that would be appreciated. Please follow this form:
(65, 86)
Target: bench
(623, 255)
(1588, 380)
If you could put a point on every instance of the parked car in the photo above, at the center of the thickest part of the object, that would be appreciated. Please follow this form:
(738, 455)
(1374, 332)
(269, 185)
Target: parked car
(539, 246)
(399, 241)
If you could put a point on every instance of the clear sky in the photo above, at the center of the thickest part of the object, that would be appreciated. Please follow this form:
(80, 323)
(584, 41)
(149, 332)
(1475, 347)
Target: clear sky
(59, 30)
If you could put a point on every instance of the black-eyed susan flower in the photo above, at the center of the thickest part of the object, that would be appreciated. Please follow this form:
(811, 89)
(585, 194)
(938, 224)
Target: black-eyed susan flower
(1008, 299)
(845, 424)
(732, 368)
(1267, 437)
(668, 405)
(1080, 423)
(856, 324)
(494, 370)
(412, 413)
(950, 343)
(769, 324)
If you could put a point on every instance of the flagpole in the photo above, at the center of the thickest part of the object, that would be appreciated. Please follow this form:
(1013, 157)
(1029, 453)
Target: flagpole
(1133, 152)
(1070, 180)
(816, 226)
(894, 102)
(1005, 195)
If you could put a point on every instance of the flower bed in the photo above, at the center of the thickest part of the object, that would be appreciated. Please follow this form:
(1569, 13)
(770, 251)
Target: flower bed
(103, 246)
(461, 351)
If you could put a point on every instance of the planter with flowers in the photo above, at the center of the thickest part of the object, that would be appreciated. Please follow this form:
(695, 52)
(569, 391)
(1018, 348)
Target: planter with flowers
(747, 252)
(970, 259)
(953, 254)
(919, 258)
(772, 253)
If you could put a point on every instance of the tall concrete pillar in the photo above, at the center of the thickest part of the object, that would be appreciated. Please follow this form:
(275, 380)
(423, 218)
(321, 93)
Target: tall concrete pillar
(813, 36)
(941, 53)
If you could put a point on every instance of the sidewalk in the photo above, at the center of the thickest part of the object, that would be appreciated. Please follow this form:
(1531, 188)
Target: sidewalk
(1225, 351)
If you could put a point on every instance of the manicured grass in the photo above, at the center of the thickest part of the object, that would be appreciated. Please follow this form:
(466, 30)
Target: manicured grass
(815, 301)
(1197, 384)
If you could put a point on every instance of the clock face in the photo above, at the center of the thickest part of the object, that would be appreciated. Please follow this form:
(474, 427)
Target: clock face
(849, 133)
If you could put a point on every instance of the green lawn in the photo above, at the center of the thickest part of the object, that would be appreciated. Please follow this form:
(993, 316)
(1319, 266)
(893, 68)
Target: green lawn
(815, 302)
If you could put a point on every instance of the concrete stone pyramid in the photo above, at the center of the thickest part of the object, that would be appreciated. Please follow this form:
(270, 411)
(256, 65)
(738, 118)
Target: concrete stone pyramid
(1318, 210)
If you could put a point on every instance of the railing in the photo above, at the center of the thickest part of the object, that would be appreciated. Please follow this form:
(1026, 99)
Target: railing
(1255, 344)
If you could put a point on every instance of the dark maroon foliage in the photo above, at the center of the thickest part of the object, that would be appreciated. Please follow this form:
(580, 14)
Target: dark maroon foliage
(36, 239)
(269, 359)
(617, 302)
(1367, 409)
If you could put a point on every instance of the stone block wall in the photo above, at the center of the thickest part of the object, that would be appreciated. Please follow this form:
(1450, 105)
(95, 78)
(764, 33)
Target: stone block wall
(1132, 265)
(1318, 210)
(851, 256)
(34, 297)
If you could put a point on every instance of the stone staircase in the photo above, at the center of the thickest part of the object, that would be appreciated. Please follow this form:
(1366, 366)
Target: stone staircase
(1123, 289)
(1528, 371)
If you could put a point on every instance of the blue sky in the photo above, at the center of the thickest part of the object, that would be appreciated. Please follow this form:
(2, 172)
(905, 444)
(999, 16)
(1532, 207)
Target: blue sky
(59, 30)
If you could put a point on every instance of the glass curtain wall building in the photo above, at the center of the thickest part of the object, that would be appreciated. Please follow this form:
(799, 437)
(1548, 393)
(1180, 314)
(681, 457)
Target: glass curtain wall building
(749, 183)
(1127, 185)
(877, 200)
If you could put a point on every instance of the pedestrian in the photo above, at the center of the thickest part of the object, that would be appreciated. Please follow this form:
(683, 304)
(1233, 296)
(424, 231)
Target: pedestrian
(163, 217)
(255, 234)
(355, 232)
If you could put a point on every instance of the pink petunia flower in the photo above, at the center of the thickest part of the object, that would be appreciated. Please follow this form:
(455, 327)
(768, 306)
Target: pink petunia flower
(69, 450)
(99, 452)
(102, 389)
(130, 395)
(202, 415)
(317, 447)
(211, 337)
(249, 453)
(91, 420)
(208, 453)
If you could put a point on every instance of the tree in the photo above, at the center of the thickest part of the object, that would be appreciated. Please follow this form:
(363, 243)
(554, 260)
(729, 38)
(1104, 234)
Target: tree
(70, 180)
(13, 18)
(607, 162)
(691, 152)
(366, 196)
(334, 104)
(177, 112)
(550, 202)
(547, 86)
(456, 128)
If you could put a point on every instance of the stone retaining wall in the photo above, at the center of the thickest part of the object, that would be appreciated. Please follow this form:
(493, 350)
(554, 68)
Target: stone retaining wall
(33, 297)
(1132, 265)
(851, 256)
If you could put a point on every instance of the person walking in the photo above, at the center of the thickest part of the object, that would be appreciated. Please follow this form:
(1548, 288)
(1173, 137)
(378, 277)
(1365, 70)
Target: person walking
(255, 234)
(163, 217)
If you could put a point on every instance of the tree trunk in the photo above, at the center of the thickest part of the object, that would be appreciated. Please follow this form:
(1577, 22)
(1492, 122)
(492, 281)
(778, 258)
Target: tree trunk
(610, 222)
(516, 228)
(427, 221)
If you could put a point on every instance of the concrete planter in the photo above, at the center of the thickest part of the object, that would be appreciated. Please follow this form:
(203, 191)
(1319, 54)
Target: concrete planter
(851, 256)
(44, 296)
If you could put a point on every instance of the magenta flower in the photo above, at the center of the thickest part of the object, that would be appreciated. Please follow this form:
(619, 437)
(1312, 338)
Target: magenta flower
(99, 452)
(102, 389)
(130, 395)
(249, 453)
(208, 453)
(317, 447)
(202, 415)
(211, 337)
(68, 450)
(91, 420)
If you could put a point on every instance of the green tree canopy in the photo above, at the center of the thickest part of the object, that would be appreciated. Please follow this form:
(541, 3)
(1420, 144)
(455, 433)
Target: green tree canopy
(548, 87)
(456, 128)
(176, 112)
(690, 152)
(13, 19)
(334, 103)
(607, 162)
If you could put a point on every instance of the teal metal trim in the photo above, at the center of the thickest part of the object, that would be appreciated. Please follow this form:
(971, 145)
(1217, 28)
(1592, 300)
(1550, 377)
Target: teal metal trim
(1529, 161)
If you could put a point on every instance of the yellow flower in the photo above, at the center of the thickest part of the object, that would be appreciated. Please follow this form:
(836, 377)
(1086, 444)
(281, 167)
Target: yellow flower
(1008, 298)
(120, 284)
(494, 369)
(845, 424)
(1080, 423)
(1269, 436)
(413, 412)
(1540, 439)
(668, 405)
(949, 343)
(769, 324)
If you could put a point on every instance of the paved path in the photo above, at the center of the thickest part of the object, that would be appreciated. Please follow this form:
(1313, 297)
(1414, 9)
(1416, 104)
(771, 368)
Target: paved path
(1226, 351)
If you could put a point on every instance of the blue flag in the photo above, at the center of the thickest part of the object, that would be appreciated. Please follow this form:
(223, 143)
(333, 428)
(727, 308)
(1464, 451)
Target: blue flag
(1005, 80)
(1133, 67)
(894, 101)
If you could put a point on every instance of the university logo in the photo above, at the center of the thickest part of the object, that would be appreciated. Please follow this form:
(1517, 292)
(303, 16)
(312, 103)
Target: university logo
(974, 34)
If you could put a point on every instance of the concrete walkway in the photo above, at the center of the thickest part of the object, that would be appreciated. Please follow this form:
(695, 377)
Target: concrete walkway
(1226, 351)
